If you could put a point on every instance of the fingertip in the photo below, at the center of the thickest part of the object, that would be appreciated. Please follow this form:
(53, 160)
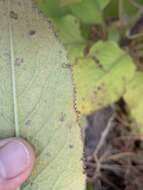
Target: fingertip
(16, 162)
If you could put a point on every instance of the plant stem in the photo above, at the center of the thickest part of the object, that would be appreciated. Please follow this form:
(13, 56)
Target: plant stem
(121, 11)
(120, 155)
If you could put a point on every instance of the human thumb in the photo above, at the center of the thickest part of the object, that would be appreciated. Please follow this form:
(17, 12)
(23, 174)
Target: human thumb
(16, 162)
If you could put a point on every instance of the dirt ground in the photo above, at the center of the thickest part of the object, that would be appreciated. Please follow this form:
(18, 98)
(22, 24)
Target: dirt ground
(113, 152)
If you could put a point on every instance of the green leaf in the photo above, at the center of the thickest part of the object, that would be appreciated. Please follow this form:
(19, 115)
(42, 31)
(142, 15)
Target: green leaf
(134, 98)
(87, 11)
(112, 9)
(113, 34)
(89, 186)
(53, 8)
(101, 78)
(102, 3)
(44, 94)
(75, 51)
(68, 28)
(69, 2)
(128, 9)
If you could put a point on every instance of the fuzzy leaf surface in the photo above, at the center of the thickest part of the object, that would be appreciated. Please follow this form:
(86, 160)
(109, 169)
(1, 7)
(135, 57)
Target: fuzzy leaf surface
(44, 96)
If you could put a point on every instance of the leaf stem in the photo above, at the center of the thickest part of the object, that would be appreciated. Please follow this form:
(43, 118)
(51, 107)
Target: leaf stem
(12, 60)
(121, 11)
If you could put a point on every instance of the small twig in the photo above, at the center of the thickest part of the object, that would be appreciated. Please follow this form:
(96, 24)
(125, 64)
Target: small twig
(105, 155)
(131, 137)
(104, 135)
(123, 121)
(110, 183)
(134, 36)
(120, 155)
(140, 53)
(137, 5)
(114, 168)
(89, 164)
(139, 47)
(98, 167)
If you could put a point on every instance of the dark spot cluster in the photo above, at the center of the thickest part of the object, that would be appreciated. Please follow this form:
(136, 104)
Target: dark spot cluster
(19, 61)
(71, 146)
(13, 15)
(62, 117)
(32, 32)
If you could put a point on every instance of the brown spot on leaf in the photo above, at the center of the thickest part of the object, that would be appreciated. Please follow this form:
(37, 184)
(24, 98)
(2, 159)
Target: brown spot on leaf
(70, 127)
(28, 123)
(62, 117)
(99, 88)
(48, 154)
(83, 99)
(60, 51)
(71, 146)
(97, 61)
(13, 15)
(19, 61)
(32, 32)
(66, 66)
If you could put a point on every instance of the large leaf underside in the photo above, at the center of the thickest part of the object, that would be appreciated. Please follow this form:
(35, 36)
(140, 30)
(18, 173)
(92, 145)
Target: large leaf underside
(44, 96)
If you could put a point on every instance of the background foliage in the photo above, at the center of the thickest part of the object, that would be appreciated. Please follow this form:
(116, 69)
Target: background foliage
(102, 72)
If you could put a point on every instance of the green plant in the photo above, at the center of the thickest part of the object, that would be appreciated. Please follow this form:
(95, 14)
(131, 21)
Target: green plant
(103, 39)
(44, 92)
(92, 32)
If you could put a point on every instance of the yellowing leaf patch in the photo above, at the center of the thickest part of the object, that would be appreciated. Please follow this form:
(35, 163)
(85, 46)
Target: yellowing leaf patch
(101, 78)
(134, 98)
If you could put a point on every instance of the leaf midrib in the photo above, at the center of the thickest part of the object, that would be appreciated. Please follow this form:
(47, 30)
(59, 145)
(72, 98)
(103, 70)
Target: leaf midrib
(13, 75)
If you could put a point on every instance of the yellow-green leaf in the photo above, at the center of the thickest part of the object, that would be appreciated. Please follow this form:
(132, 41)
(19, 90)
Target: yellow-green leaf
(69, 2)
(102, 3)
(32, 73)
(134, 98)
(52, 8)
(68, 29)
(101, 77)
(87, 11)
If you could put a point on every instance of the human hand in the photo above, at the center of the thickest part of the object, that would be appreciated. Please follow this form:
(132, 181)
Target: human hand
(16, 162)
